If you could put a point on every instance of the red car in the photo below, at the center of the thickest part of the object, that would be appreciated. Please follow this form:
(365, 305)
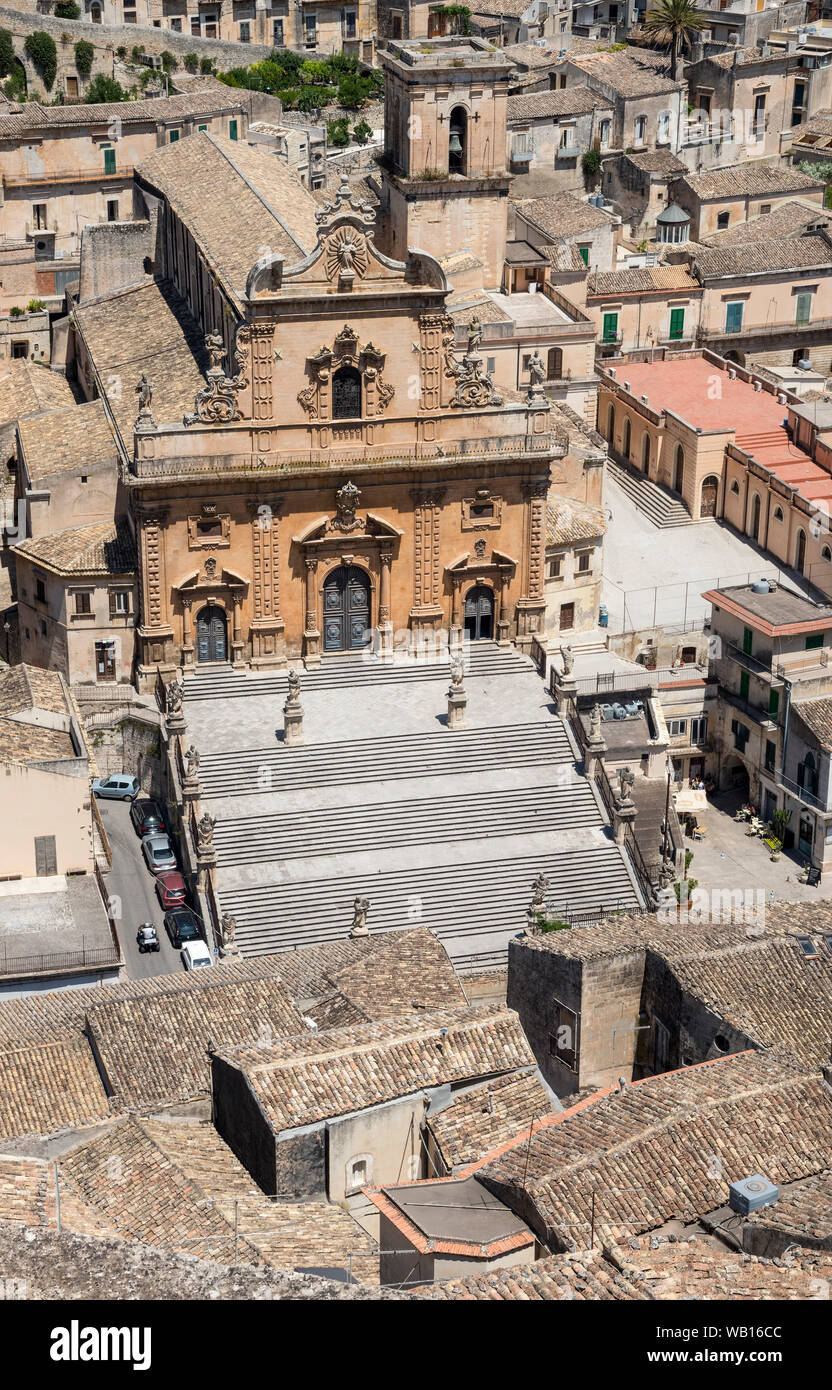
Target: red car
(171, 889)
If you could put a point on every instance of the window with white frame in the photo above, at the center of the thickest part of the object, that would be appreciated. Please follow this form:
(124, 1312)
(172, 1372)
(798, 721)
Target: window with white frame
(699, 729)
(677, 728)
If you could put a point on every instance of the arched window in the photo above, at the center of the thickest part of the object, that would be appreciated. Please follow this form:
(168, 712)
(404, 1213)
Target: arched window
(800, 551)
(611, 424)
(826, 553)
(679, 470)
(778, 513)
(755, 517)
(645, 452)
(346, 394)
(627, 434)
(458, 141)
(554, 368)
(735, 488)
(95, 14)
(807, 776)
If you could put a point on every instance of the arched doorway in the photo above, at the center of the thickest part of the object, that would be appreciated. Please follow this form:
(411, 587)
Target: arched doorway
(627, 436)
(95, 13)
(710, 493)
(645, 453)
(611, 424)
(679, 470)
(479, 614)
(458, 141)
(211, 634)
(800, 552)
(346, 394)
(346, 609)
(755, 517)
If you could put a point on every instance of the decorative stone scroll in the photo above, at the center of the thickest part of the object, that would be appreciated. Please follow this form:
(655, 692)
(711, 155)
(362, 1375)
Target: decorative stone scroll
(474, 386)
(216, 403)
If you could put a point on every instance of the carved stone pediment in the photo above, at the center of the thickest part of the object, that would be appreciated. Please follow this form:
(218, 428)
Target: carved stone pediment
(346, 351)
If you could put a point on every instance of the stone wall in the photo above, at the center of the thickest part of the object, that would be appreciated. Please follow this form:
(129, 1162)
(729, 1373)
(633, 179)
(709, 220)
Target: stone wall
(241, 1123)
(113, 255)
(130, 744)
(108, 37)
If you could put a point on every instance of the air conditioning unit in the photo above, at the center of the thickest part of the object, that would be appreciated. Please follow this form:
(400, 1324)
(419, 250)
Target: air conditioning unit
(749, 1194)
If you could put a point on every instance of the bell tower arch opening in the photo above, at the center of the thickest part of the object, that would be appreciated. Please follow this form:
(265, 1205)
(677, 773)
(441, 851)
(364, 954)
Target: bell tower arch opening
(458, 142)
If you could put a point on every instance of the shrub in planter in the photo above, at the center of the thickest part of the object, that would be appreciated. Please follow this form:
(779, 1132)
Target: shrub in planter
(84, 55)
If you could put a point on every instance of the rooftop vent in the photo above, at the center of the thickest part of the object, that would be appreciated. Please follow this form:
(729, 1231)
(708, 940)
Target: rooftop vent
(644, 400)
(749, 1194)
(626, 385)
(758, 385)
(732, 373)
(612, 371)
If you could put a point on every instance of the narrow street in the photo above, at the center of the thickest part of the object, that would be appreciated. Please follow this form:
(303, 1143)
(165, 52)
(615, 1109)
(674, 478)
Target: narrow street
(132, 882)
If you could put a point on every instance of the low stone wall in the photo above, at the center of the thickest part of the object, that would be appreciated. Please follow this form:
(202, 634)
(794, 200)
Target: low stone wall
(106, 38)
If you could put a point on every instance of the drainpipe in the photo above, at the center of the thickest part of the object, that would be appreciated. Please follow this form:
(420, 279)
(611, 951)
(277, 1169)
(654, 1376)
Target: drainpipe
(786, 727)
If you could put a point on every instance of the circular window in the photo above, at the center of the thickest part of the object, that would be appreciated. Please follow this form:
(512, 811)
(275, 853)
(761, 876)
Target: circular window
(721, 1043)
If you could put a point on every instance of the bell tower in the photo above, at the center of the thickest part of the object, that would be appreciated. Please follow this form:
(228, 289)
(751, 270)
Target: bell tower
(444, 178)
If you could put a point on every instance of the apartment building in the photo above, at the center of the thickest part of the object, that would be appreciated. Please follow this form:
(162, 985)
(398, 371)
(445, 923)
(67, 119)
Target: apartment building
(647, 306)
(547, 134)
(721, 198)
(647, 103)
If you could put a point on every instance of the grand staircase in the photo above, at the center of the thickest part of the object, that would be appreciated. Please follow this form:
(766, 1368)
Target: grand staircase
(656, 503)
(437, 828)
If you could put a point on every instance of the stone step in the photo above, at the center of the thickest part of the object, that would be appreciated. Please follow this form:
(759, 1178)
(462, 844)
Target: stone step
(481, 659)
(429, 820)
(654, 501)
(254, 771)
(475, 908)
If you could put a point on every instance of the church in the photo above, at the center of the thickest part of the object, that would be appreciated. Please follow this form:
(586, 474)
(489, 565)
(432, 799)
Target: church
(313, 461)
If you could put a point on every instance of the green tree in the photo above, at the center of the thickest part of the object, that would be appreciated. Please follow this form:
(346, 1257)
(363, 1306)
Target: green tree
(338, 132)
(191, 61)
(104, 88)
(674, 24)
(206, 66)
(169, 62)
(591, 164)
(362, 132)
(8, 60)
(84, 55)
(67, 9)
(40, 49)
(351, 92)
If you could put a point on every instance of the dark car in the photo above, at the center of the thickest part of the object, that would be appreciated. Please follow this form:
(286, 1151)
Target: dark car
(171, 889)
(181, 925)
(147, 817)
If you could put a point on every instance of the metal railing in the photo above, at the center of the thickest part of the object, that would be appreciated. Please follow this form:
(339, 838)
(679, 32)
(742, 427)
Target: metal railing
(802, 793)
(705, 335)
(643, 871)
(612, 682)
(758, 713)
(58, 960)
(751, 663)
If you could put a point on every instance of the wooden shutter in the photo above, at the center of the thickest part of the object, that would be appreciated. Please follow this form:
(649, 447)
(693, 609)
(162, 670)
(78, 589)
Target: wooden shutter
(46, 861)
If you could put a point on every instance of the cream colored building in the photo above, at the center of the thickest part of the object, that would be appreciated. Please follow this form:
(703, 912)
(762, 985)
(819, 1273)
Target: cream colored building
(644, 307)
(722, 197)
(316, 26)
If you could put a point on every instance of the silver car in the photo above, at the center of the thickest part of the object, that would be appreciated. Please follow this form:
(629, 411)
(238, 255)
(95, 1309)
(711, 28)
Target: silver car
(117, 787)
(158, 855)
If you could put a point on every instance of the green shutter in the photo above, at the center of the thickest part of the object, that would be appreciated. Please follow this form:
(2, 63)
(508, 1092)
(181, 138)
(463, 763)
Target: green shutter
(109, 161)
(232, 130)
(774, 703)
(583, 252)
(733, 317)
(174, 136)
(815, 641)
(677, 323)
(744, 681)
(747, 640)
(610, 328)
(804, 308)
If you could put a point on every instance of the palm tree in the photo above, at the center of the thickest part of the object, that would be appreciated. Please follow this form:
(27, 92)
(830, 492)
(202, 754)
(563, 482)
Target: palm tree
(674, 24)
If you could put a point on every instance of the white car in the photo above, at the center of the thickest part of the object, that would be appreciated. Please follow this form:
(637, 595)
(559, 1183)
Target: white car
(195, 954)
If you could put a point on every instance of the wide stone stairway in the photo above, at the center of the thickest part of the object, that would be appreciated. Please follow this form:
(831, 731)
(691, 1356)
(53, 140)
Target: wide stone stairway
(447, 829)
(658, 504)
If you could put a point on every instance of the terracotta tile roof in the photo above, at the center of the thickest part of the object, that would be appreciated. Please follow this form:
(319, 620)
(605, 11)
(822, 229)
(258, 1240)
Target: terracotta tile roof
(67, 441)
(562, 214)
(817, 716)
(761, 985)
(792, 253)
(49, 1087)
(656, 162)
(692, 1268)
(587, 1277)
(625, 74)
(532, 55)
(571, 101)
(641, 280)
(24, 690)
(26, 388)
(235, 199)
(31, 117)
(641, 1150)
(32, 743)
(144, 328)
(749, 181)
(790, 218)
(302, 1080)
(27, 687)
(803, 1214)
(154, 1050)
(568, 523)
(480, 1120)
(104, 547)
(27, 1196)
(177, 1184)
(415, 973)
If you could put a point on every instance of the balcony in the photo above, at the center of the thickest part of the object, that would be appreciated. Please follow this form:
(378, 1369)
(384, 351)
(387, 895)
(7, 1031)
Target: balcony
(756, 713)
(706, 336)
(69, 176)
(801, 793)
(755, 664)
(567, 152)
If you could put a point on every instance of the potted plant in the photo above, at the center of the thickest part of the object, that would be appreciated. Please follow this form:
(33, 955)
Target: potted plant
(688, 884)
(778, 823)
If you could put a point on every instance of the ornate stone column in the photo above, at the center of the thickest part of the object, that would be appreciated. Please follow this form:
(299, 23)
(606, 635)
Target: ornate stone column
(384, 620)
(504, 620)
(187, 633)
(237, 652)
(456, 611)
(530, 609)
(311, 636)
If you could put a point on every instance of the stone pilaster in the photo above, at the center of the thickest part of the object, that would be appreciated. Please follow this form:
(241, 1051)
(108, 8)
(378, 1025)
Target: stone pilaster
(311, 635)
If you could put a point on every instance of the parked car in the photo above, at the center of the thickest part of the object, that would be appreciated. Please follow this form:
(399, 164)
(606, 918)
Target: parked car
(195, 954)
(158, 855)
(181, 925)
(147, 817)
(118, 787)
(171, 890)
(147, 938)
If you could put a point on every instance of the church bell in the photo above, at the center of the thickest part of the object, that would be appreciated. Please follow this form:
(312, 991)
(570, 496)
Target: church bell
(454, 144)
